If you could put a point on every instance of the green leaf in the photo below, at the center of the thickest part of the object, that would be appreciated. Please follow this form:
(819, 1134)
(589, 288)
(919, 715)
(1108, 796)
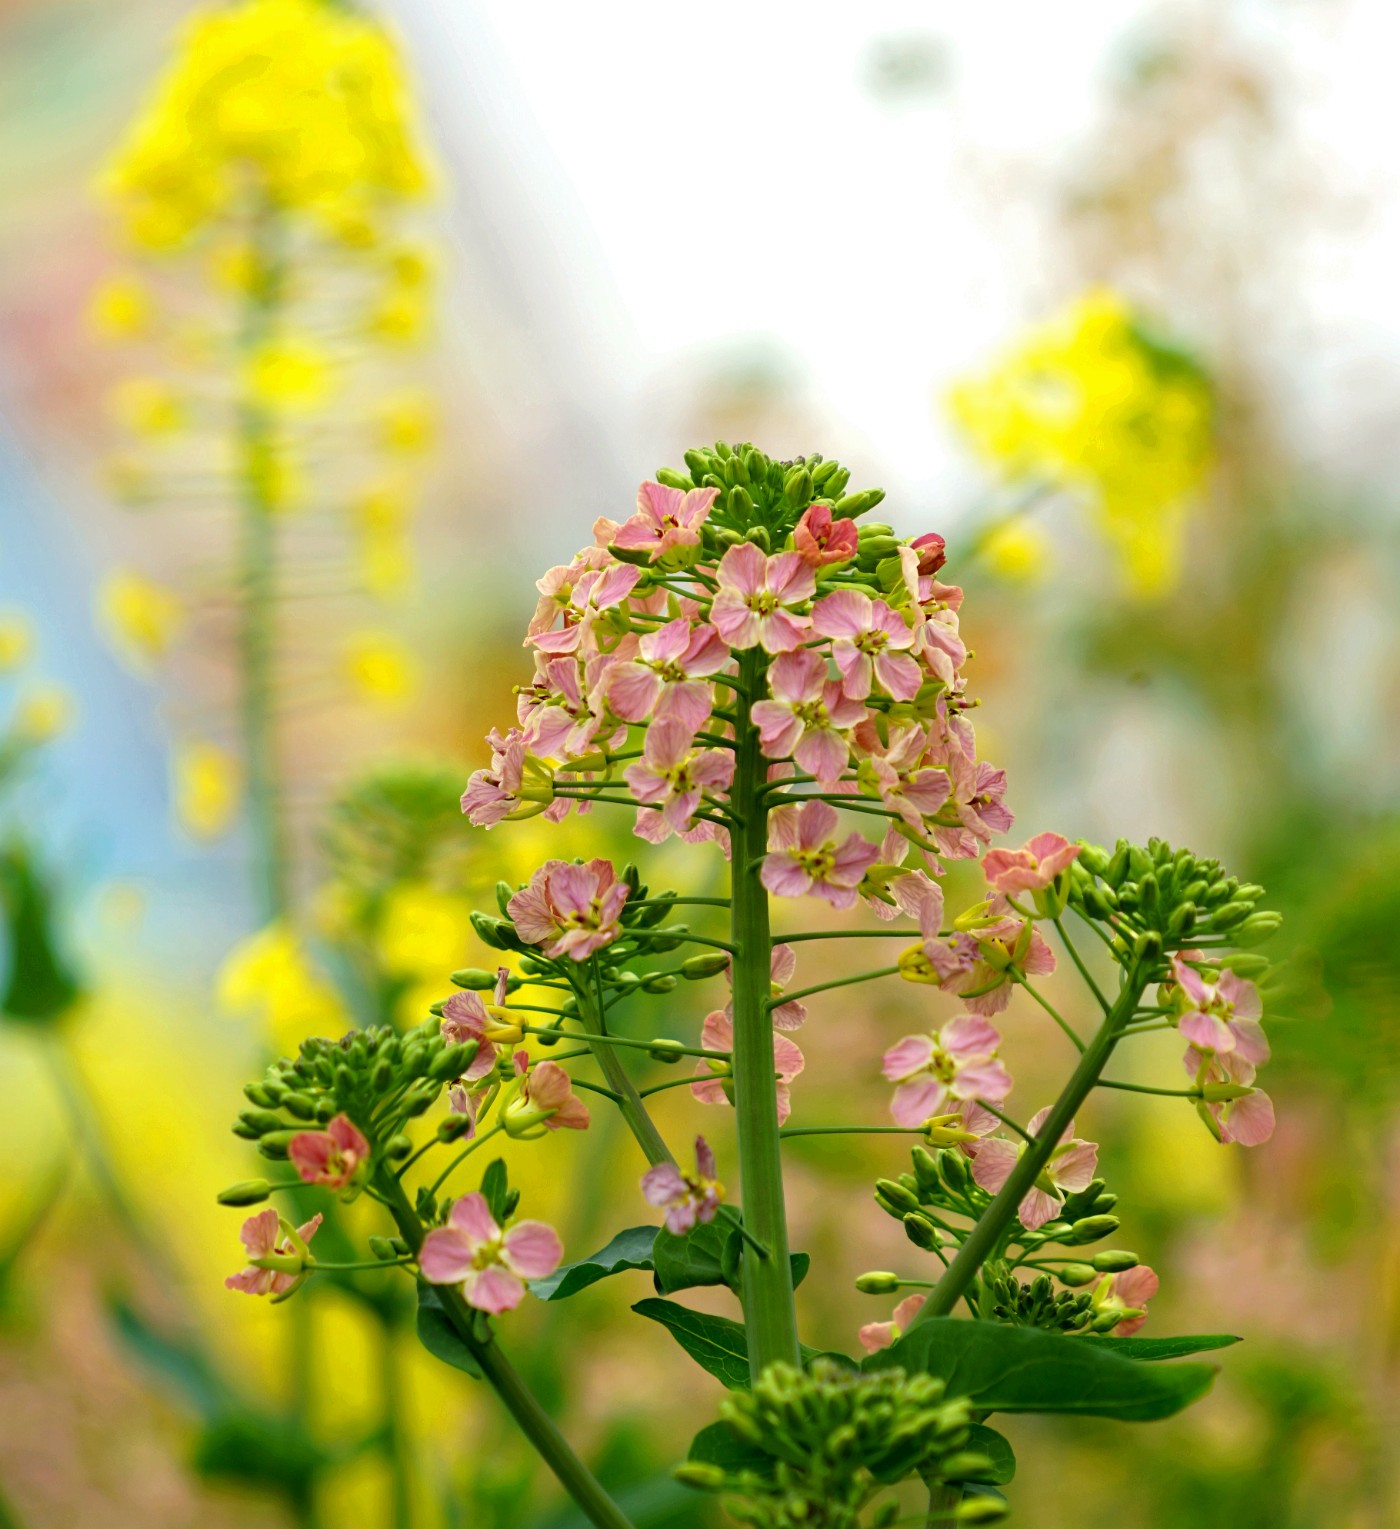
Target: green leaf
(495, 1187)
(437, 1334)
(720, 1445)
(1162, 1348)
(628, 1250)
(717, 1344)
(1022, 1369)
(997, 1448)
(699, 1258)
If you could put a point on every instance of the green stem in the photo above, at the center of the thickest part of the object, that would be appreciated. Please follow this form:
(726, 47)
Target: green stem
(1142, 1088)
(826, 987)
(769, 1312)
(983, 1237)
(788, 1132)
(629, 1101)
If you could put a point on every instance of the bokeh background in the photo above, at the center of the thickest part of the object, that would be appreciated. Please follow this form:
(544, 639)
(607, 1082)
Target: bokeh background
(648, 226)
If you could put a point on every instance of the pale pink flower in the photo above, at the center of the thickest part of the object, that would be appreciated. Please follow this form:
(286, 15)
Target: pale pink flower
(262, 1236)
(577, 908)
(565, 710)
(494, 793)
(666, 519)
(877, 1335)
(668, 676)
(806, 857)
(673, 775)
(1032, 867)
(821, 541)
(1246, 1121)
(982, 966)
(753, 606)
(596, 592)
(717, 1079)
(907, 780)
(1071, 1167)
(331, 1157)
(490, 1265)
(546, 1098)
(782, 963)
(1129, 1290)
(809, 716)
(464, 1101)
(913, 894)
(1220, 1015)
(466, 1017)
(686, 1197)
(557, 588)
(871, 644)
(974, 805)
(932, 1071)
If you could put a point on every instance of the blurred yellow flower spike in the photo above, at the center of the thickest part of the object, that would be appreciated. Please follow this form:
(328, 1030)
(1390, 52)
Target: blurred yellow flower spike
(407, 422)
(380, 668)
(16, 640)
(1018, 551)
(139, 617)
(121, 308)
(43, 713)
(147, 406)
(289, 373)
(270, 980)
(423, 932)
(208, 788)
(1092, 403)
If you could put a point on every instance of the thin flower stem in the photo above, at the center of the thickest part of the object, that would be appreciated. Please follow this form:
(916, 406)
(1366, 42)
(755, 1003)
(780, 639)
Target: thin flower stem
(597, 1088)
(466, 1152)
(627, 1041)
(1006, 1120)
(660, 1088)
(846, 803)
(826, 987)
(372, 1263)
(788, 1132)
(1050, 1009)
(591, 1009)
(678, 902)
(1142, 1088)
(678, 934)
(736, 1221)
(846, 934)
(1083, 970)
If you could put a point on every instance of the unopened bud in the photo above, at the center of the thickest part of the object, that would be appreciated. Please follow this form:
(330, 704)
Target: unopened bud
(1091, 1228)
(248, 1192)
(709, 964)
(454, 1127)
(700, 1475)
(300, 1106)
(878, 1282)
(668, 1051)
(453, 1061)
(1257, 928)
(381, 1247)
(921, 1231)
(397, 1148)
(981, 1510)
(474, 978)
(1115, 1261)
(1075, 1275)
(275, 1143)
(262, 1121)
(895, 1197)
(661, 982)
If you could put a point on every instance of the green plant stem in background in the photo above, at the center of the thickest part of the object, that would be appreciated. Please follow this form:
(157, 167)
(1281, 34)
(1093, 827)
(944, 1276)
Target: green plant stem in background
(769, 1313)
(629, 1101)
(982, 1240)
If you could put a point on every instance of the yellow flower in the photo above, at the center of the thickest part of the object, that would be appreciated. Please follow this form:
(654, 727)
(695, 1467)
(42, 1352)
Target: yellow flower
(269, 979)
(208, 787)
(423, 932)
(140, 616)
(379, 667)
(1017, 550)
(289, 374)
(385, 563)
(16, 640)
(121, 308)
(43, 713)
(407, 422)
(400, 315)
(147, 406)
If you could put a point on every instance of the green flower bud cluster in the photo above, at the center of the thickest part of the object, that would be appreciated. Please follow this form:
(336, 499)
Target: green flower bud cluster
(830, 1439)
(1003, 1298)
(1183, 898)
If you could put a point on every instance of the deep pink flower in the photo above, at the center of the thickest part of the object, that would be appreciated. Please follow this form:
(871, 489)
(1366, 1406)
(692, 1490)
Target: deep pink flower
(871, 644)
(1072, 1165)
(753, 606)
(687, 1197)
(1032, 867)
(668, 676)
(821, 541)
(1129, 1290)
(809, 716)
(1220, 1015)
(1247, 1118)
(666, 519)
(806, 858)
(958, 1062)
(577, 908)
(546, 1098)
(330, 1157)
(596, 592)
(717, 1081)
(490, 1265)
(672, 775)
(877, 1335)
(466, 1017)
(264, 1236)
(932, 550)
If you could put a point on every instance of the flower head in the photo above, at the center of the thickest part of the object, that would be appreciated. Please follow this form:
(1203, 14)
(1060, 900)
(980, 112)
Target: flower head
(716, 1085)
(957, 1063)
(575, 908)
(1219, 1015)
(666, 519)
(331, 1157)
(667, 679)
(546, 1098)
(1032, 867)
(1128, 1292)
(821, 541)
(1071, 1167)
(809, 716)
(754, 606)
(1235, 1111)
(489, 1264)
(686, 1197)
(467, 1017)
(673, 775)
(871, 646)
(806, 858)
(266, 1235)
(877, 1335)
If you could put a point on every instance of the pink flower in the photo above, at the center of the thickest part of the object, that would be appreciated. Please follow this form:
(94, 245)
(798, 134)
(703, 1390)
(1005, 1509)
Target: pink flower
(546, 1098)
(822, 541)
(1071, 1167)
(557, 588)
(577, 908)
(957, 1063)
(717, 1085)
(666, 519)
(974, 805)
(490, 1265)
(871, 644)
(1220, 1016)
(877, 1335)
(667, 678)
(932, 551)
(672, 775)
(596, 592)
(564, 711)
(805, 857)
(1032, 867)
(464, 1101)
(1245, 1117)
(687, 1197)
(907, 780)
(466, 1017)
(495, 793)
(1128, 1292)
(982, 966)
(330, 1157)
(262, 1235)
(753, 606)
(933, 609)
(809, 716)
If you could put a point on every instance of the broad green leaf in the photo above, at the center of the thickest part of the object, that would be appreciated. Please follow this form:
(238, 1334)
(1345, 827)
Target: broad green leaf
(628, 1250)
(1163, 1348)
(717, 1344)
(997, 1448)
(495, 1187)
(720, 1445)
(1001, 1368)
(437, 1334)
(703, 1255)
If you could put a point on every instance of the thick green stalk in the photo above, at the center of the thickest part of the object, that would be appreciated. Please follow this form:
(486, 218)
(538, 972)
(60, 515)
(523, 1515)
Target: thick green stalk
(984, 1237)
(629, 1101)
(769, 1313)
(533, 1421)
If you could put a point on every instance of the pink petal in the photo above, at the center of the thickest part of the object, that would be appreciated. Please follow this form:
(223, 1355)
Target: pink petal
(969, 1035)
(982, 1080)
(1135, 1287)
(446, 1256)
(846, 613)
(258, 1234)
(704, 1158)
(742, 569)
(662, 1184)
(822, 753)
(1076, 1166)
(899, 675)
(633, 690)
(907, 1056)
(471, 1216)
(532, 1249)
(1250, 1122)
(992, 1166)
(914, 1103)
(1207, 1031)
(876, 1335)
(493, 1289)
(1037, 1208)
(783, 877)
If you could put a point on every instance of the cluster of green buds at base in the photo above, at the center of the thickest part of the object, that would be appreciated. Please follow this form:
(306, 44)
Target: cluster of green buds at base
(825, 1442)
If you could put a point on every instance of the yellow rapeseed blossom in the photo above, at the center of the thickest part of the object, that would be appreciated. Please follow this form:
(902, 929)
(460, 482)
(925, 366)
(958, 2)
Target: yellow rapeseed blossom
(43, 713)
(208, 788)
(1091, 403)
(289, 373)
(1017, 550)
(147, 406)
(423, 932)
(407, 422)
(121, 308)
(16, 640)
(270, 980)
(379, 667)
(139, 616)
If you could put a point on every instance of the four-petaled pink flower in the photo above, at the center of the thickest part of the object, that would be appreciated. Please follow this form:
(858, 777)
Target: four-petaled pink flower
(465, 1017)
(672, 775)
(909, 782)
(806, 858)
(686, 1197)
(546, 1098)
(871, 644)
(490, 1265)
(666, 519)
(716, 1085)
(935, 1073)
(1129, 1290)
(1220, 1016)
(752, 607)
(808, 717)
(877, 1335)
(494, 793)
(1032, 867)
(596, 592)
(981, 967)
(668, 676)
(577, 908)
(1071, 1167)
(1245, 1119)
(331, 1157)
(262, 1236)
(821, 541)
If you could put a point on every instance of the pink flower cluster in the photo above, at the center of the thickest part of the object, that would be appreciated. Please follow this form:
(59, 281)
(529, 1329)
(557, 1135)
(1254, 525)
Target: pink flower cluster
(1220, 1019)
(571, 910)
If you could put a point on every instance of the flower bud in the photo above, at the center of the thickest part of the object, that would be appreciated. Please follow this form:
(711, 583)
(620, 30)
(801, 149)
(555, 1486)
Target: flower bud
(952, 1169)
(981, 1510)
(710, 964)
(275, 1143)
(700, 1475)
(453, 1061)
(301, 1106)
(663, 1050)
(1115, 1261)
(1091, 1228)
(1258, 927)
(672, 479)
(894, 1197)
(418, 1099)
(261, 1095)
(1075, 1275)
(921, 1231)
(878, 1282)
(660, 982)
(397, 1148)
(925, 1170)
(382, 1248)
(247, 1192)
(261, 1121)
(454, 1127)
(475, 978)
